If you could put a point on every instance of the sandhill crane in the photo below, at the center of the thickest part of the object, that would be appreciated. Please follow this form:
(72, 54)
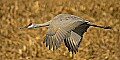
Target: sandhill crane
(69, 28)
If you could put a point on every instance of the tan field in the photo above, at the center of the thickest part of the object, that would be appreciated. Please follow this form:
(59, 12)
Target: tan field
(97, 44)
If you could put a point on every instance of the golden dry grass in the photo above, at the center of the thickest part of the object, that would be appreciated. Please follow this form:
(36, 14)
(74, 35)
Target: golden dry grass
(97, 44)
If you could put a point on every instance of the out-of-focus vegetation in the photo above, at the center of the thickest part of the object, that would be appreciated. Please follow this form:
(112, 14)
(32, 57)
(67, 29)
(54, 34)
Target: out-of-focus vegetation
(97, 44)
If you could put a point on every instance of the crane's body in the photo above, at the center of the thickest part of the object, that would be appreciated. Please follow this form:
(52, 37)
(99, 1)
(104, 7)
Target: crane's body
(69, 28)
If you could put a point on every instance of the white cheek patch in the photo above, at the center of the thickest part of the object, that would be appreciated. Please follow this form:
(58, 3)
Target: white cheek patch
(31, 26)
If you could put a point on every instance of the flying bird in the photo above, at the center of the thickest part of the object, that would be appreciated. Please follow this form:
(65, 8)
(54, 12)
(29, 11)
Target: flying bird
(65, 27)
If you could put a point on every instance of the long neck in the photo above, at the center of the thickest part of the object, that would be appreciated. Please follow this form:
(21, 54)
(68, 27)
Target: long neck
(41, 25)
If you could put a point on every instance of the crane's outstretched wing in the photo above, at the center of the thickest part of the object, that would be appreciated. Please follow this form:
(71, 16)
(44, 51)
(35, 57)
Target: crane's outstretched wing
(55, 35)
(60, 29)
(73, 42)
(56, 39)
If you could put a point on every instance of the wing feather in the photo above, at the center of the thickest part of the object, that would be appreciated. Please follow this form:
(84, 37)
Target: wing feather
(56, 39)
(72, 42)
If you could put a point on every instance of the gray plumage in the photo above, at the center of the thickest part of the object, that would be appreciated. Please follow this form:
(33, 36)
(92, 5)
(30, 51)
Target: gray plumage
(69, 28)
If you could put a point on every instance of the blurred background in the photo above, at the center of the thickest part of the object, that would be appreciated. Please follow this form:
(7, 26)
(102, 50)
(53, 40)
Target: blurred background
(97, 44)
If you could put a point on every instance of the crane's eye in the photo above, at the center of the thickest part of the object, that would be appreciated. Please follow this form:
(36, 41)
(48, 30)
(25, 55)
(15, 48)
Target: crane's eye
(30, 24)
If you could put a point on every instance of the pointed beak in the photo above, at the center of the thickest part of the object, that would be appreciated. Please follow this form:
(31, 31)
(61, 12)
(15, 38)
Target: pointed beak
(23, 27)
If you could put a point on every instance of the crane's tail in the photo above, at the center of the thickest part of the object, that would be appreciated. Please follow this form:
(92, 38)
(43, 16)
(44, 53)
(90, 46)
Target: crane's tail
(105, 27)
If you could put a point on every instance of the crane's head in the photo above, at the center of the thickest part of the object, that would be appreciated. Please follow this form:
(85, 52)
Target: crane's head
(31, 25)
